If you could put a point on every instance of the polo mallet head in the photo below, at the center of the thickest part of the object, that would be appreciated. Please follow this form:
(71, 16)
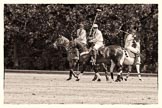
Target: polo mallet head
(98, 10)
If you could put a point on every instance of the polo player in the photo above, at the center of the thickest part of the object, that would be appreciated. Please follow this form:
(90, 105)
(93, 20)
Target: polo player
(97, 40)
(81, 38)
(81, 35)
(129, 41)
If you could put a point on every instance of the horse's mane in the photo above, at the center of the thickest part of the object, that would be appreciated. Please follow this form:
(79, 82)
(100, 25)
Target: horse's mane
(76, 44)
(65, 38)
(80, 46)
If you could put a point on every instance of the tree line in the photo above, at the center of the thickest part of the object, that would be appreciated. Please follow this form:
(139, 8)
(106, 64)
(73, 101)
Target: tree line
(30, 30)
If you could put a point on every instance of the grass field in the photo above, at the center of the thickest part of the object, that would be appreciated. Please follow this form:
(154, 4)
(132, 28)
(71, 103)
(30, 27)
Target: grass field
(28, 88)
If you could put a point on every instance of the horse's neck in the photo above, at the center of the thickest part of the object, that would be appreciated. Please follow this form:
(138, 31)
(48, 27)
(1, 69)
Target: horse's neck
(81, 47)
(66, 47)
(66, 43)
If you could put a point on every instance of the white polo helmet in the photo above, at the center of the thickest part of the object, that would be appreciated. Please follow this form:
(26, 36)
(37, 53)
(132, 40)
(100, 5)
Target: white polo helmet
(95, 26)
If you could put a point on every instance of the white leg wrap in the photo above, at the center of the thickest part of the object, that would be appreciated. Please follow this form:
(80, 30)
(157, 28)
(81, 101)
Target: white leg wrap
(80, 75)
(138, 71)
(98, 75)
(112, 66)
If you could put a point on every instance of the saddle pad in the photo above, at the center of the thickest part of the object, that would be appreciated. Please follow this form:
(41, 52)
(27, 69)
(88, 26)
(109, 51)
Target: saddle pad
(131, 54)
(84, 53)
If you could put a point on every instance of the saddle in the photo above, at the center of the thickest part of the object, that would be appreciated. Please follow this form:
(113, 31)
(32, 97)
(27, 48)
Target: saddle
(101, 51)
(129, 53)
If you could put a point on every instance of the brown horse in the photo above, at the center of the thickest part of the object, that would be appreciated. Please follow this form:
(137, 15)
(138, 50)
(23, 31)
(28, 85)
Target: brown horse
(102, 60)
(63, 42)
(74, 48)
(118, 57)
(104, 56)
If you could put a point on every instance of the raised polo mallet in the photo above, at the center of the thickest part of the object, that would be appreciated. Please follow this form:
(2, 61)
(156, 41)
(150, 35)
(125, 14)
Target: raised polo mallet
(98, 10)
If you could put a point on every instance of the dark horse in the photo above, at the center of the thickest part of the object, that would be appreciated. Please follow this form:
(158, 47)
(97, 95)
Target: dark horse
(105, 56)
(74, 48)
(119, 57)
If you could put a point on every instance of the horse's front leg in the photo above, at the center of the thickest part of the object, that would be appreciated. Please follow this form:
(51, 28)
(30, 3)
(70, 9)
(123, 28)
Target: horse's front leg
(81, 73)
(129, 70)
(112, 69)
(120, 69)
(72, 65)
(106, 72)
(119, 74)
(138, 71)
(97, 75)
(70, 74)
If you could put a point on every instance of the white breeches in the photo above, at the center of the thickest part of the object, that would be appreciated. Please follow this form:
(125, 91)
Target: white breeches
(134, 50)
(98, 45)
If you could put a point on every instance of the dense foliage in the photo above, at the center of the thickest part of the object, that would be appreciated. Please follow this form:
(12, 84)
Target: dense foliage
(30, 29)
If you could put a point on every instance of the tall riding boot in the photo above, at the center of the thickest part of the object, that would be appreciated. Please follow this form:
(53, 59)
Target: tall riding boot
(93, 57)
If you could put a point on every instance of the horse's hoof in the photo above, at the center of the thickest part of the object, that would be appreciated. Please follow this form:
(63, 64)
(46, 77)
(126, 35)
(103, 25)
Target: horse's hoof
(68, 79)
(107, 78)
(140, 79)
(112, 80)
(117, 80)
(93, 79)
(125, 79)
(77, 79)
(99, 80)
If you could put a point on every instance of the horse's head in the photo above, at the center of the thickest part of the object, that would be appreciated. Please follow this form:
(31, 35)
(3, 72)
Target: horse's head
(72, 44)
(73, 53)
(77, 44)
(61, 41)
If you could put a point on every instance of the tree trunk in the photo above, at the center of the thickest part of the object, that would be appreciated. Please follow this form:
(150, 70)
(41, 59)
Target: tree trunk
(16, 64)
